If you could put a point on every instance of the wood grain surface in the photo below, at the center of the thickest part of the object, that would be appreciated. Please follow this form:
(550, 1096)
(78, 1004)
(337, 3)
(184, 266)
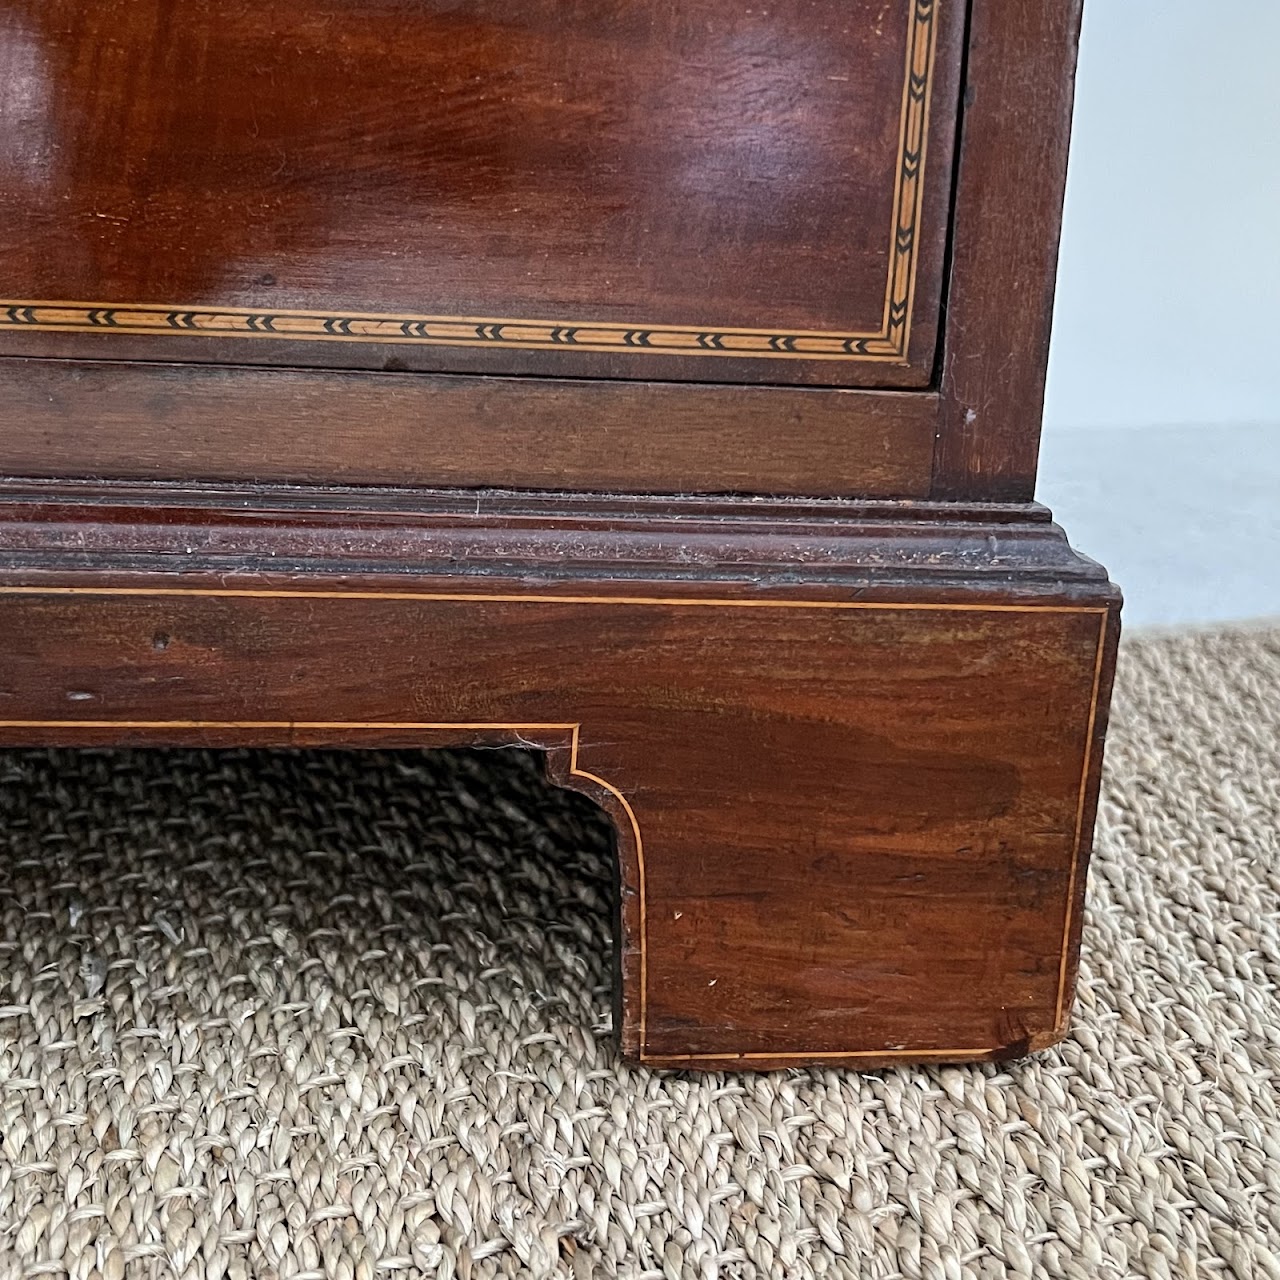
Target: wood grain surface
(852, 819)
(691, 189)
(149, 161)
(101, 419)
(272, 270)
(1006, 221)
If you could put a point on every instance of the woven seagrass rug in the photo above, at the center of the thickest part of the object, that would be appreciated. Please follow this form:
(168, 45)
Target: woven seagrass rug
(323, 1014)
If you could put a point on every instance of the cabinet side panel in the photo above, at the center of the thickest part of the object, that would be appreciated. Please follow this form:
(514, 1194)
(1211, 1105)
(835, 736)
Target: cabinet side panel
(1007, 218)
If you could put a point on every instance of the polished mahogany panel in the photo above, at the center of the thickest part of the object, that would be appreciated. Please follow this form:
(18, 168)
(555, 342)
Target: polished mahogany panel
(689, 189)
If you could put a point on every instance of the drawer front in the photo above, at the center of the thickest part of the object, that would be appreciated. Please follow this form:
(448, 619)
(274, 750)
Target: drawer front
(690, 190)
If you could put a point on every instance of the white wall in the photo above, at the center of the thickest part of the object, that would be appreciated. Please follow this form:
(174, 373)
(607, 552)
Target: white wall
(1162, 432)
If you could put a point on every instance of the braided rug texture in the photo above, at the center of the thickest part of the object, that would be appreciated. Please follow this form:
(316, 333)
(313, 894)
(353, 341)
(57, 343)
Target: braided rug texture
(272, 1014)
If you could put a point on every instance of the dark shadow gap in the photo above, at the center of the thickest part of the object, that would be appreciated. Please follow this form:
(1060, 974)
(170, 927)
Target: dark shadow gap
(332, 893)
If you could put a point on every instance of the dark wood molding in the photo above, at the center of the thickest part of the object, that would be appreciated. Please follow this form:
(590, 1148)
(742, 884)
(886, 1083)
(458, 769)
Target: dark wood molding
(557, 539)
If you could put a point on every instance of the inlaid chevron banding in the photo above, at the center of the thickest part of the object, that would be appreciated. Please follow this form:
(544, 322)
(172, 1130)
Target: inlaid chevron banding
(889, 343)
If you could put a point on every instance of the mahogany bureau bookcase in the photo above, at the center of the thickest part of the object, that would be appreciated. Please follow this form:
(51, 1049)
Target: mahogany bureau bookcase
(655, 383)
